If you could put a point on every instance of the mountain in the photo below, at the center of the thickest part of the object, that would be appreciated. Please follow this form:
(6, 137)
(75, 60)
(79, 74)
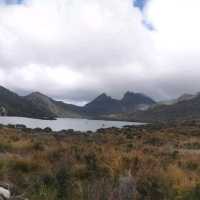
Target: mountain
(132, 107)
(184, 109)
(136, 101)
(183, 97)
(37, 105)
(104, 105)
(56, 108)
(186, 97)
(14, 105)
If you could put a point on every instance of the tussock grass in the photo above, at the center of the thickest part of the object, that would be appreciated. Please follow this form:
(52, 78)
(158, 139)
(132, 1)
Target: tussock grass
(163, 162)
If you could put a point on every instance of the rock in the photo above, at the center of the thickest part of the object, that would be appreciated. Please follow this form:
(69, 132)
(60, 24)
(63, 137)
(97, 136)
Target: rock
(11, 126)
(37, 130)
(70, 131)
(4, 193)
(48, 130)
(3, 111)
(20, 126)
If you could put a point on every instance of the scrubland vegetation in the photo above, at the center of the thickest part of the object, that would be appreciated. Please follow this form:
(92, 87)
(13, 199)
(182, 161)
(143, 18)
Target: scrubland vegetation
(148, 163)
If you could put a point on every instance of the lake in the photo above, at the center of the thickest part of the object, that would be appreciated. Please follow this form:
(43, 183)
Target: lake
(65, 123)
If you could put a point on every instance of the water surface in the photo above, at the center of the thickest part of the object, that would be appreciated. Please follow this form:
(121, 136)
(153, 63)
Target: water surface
(65, 123)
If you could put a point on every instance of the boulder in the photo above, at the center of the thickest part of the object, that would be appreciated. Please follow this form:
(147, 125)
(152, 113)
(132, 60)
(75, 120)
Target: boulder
(47, 130)
(4, 193)
(20, 126)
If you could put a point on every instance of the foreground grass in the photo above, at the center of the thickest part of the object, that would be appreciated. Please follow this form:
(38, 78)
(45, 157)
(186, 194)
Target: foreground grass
(158, 162)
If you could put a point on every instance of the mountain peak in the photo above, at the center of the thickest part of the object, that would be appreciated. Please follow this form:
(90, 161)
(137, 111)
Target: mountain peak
(39, 98)
(102, 97)
(103, 104)
(129, 94)
(37, 94)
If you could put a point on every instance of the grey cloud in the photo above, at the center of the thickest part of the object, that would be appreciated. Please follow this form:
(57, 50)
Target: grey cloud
(75, 50)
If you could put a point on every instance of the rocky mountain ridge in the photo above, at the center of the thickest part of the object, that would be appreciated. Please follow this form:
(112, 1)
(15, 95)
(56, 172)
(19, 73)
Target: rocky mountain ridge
(132, 107)
(38, 105)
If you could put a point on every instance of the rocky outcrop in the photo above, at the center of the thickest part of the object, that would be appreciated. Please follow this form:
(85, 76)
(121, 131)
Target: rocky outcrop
(5, 193)
(3, 111)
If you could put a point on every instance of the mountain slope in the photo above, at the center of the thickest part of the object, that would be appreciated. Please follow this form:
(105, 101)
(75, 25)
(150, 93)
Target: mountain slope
(103, 105)
(15, 105)
(184, 109)
(183, 97)
(136, 101)
(56, 108)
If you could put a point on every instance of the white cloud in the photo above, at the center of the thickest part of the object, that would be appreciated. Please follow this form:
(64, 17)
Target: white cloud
(76, 49)
(177, 41)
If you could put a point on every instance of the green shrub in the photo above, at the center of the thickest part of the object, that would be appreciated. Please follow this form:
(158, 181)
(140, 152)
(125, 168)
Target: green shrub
(193, 194)
(4, 147)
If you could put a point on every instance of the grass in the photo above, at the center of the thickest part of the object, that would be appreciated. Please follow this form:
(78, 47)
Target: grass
(157, 163)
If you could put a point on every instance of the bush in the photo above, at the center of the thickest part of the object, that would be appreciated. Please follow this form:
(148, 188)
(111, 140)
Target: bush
(64, 184)
(191, 165)
(193, 194)
(23, 166)
(43, 188)
(5, 147)
(154, 188)
(38, 146)
(193, 146)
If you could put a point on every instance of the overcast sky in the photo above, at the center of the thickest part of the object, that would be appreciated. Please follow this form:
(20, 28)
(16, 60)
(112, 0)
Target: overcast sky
(75, 49)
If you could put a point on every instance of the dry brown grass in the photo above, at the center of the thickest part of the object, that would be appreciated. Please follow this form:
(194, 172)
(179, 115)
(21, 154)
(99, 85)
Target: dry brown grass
(164, 164)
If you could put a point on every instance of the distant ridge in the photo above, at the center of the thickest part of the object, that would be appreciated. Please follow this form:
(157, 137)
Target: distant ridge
(38, 105)
(185, 108)
(130, 102)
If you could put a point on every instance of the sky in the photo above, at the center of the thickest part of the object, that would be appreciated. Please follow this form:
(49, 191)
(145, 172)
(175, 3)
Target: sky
(74, 50)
